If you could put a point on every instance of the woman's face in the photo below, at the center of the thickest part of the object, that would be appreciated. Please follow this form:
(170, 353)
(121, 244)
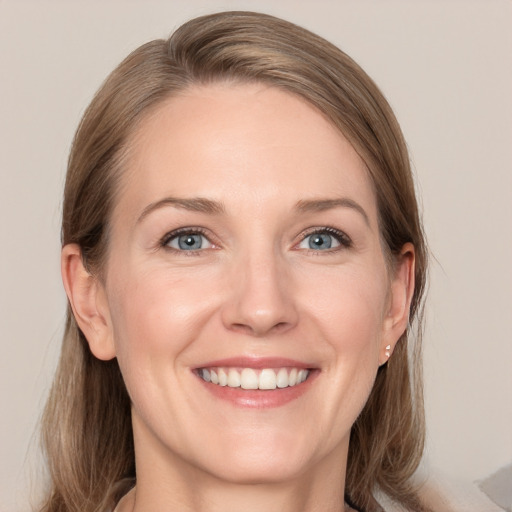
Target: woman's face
(245, 250)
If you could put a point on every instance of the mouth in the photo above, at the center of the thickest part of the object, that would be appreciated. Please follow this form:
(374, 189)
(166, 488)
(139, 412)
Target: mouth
(252, 378)
(257, 382)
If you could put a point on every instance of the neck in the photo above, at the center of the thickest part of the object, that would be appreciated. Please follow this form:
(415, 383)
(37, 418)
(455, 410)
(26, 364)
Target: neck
(250, 498)
(168, 485)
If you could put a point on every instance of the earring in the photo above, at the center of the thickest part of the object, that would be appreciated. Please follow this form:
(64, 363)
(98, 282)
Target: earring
(388, 351)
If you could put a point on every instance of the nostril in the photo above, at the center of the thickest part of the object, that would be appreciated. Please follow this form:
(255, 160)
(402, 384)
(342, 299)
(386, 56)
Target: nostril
(254, 329)
(281, 326)
(243, 328)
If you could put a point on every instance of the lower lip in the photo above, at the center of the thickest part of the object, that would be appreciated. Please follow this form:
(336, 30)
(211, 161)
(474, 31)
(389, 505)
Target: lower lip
(260, 399)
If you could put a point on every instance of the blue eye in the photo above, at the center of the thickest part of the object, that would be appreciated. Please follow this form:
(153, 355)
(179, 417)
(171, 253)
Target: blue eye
(324, 240)
(189, 241)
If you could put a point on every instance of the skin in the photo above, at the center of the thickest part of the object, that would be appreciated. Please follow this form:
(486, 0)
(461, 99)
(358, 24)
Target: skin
(255, 289)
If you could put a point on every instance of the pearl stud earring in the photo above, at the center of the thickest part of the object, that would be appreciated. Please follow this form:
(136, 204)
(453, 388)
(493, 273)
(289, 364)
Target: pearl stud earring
(388, 349)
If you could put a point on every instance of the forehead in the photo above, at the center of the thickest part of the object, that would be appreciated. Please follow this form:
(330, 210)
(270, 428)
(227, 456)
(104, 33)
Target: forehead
(228, 142)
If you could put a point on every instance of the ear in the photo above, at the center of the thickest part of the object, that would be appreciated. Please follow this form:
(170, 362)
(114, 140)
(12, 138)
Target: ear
(88, 301)
(399, 303)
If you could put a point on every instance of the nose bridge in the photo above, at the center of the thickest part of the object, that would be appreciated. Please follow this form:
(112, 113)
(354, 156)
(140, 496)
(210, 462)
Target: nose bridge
(262, 281)
(261, 300)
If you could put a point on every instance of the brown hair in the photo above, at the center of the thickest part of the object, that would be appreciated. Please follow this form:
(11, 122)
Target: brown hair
(86, 429)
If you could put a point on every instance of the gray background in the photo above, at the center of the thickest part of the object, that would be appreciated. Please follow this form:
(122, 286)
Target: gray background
(446, 68)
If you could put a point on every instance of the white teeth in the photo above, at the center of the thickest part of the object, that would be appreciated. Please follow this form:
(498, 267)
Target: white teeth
(249, 378)
(267, 379)
(233, 378)
(282, 378)
(223, 377)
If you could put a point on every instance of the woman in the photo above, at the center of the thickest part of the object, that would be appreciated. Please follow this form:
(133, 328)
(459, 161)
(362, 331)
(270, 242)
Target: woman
(243, 257)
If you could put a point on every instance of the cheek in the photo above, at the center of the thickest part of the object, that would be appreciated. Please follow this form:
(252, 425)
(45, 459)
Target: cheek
(353, 338)
(155, 316)
(350, 314)
(350, 306)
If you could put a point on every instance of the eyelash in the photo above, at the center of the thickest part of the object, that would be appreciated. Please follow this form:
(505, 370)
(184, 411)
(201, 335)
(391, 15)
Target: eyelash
(164, 242)
(342, 238)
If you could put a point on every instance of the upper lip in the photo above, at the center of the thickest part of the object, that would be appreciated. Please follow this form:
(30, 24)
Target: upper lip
(256, 363)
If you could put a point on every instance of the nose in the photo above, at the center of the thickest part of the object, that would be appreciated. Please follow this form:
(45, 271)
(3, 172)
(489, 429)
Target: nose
(261, 300)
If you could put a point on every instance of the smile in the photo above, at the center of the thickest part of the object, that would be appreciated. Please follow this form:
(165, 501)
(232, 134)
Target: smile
(250, 378)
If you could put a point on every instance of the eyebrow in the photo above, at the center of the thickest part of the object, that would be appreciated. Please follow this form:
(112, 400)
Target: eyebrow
(193, 204)
(320, 205)
(208, 206)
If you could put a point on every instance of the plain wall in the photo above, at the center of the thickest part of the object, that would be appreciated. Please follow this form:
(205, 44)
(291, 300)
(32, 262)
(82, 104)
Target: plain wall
(445, 67)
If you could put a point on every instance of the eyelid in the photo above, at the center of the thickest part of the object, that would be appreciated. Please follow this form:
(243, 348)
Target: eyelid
(189, 230)
(344, 240)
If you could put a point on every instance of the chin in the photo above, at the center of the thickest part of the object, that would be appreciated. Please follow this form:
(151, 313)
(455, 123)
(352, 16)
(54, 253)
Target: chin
(259, 471)
(267, 458)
